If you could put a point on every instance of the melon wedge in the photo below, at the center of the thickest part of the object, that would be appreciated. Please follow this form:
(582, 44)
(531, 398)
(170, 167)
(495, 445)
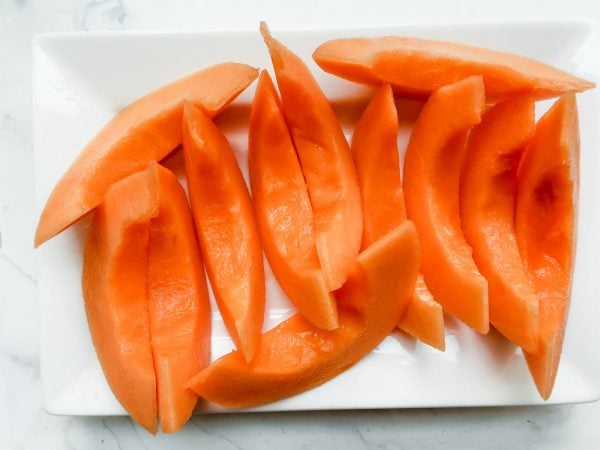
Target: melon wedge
(227, 228)
(417, 67)
(146, 130)
(424, 317)
(487, 209)
(296, 356)
(375, 153)
(283, 209)
(146, 298)
(548, 181)
(178, 306)
(325, 160)
(432, 167)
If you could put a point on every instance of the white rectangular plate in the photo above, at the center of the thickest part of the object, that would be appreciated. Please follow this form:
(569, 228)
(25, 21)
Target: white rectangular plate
(81, 80)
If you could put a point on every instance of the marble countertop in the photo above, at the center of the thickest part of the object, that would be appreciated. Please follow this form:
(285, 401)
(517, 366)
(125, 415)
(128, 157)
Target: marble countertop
(23, 422)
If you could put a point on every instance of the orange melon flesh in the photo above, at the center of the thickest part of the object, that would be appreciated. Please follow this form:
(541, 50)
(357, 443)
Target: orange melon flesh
(115, 271)
(487, 209)
(150, 326)
(227, 228)
(424, 317)
(417, 67)
(375, 153)
(326, 163)
(180, 319)
(146, 130)
(548, 180)
(432, 167)
(296, 356)
(283, 209)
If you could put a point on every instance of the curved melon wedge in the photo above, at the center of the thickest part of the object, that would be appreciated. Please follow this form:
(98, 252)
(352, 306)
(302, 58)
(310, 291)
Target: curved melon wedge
(417, 67)
(146, 130)
(114, 279)
(227, 228)
(296, 356)
(432, 168)
(178, 305)
(548, 180)
(283, 209)
(375, 153)
(487, 210)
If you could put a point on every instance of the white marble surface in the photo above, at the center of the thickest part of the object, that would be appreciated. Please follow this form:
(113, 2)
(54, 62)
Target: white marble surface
(23, 422)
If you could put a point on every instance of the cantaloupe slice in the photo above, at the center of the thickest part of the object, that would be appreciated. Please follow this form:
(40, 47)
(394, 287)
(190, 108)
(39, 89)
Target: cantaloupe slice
(375, 153)
(296, 356)
(227, 228)
(417, 67)
(146, 298)
(424, 317)
(548, 181)
(326, 163)
(487, 209)
(178, 306)
(283, 209)
(432, 167)
(147, 130)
